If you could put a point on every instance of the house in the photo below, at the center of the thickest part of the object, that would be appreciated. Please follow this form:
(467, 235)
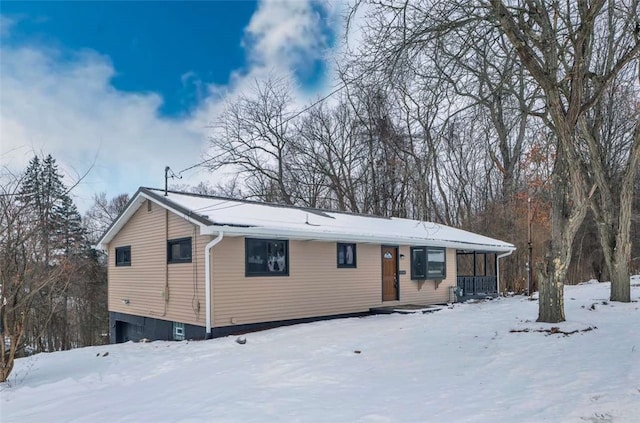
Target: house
(184, 265)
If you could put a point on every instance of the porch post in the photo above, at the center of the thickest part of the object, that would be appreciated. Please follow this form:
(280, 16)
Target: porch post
(485, 263)
(475, 270)
(496, 267)
(485, 280)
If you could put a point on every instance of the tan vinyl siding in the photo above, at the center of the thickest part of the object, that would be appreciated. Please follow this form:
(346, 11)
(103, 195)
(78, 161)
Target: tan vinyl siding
(314, 287)
(143, 283)
(186, 280)
(425, 291)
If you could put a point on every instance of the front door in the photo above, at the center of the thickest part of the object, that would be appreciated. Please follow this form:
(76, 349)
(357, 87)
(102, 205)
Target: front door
(389, 273)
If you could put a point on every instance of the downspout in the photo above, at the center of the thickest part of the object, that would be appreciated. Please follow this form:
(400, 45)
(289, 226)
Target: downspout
(508, 253)
(207, 279)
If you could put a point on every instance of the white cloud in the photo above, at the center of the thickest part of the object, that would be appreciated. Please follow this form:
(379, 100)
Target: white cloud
(285, 33)
(70, 110)
(67, 106)
(282, 38)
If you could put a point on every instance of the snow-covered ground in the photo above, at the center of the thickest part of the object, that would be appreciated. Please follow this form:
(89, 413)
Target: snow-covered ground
(460, 364)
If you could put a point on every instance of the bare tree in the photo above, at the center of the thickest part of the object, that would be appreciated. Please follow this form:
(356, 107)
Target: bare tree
(252, 136)
(612, 158)
(556, 45)
(471, 96)
(52, 285)
(89, 285)
(23, 279)
(103, 213)
(546, 48)
(328, 153)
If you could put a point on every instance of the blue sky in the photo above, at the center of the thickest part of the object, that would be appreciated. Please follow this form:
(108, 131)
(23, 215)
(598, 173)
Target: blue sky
(132, 86)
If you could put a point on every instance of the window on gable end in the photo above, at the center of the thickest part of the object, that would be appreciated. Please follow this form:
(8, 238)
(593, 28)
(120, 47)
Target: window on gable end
(123, 256)
(179, 250)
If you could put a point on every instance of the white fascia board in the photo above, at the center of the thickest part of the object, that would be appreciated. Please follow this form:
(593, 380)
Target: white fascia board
(263, 232)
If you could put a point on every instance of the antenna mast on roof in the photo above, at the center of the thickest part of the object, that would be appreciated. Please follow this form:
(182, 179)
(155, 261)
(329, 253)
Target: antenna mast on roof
(167, 169)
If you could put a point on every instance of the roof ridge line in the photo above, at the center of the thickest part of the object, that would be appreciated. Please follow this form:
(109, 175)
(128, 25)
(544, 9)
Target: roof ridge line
(286, 206)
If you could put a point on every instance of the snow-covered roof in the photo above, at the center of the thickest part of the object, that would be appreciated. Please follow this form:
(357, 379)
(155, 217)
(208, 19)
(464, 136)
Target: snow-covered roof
(250, 218)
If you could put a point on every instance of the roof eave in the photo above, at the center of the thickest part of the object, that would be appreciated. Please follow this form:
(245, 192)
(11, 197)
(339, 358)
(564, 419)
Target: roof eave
(345, 237)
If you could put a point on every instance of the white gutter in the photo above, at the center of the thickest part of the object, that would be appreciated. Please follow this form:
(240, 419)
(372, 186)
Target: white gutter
(253, 231)
(508, 253)
(207, 279)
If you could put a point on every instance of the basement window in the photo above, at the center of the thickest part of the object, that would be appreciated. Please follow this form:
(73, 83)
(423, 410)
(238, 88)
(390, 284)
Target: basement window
(179, 250)
(178, 331)
(123, 256)
(266, 257)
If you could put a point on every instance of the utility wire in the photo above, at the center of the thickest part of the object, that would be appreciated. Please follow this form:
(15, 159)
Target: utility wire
(201, 163)
(295, 115)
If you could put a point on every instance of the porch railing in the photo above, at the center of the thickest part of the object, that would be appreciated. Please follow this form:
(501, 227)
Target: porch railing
(478, 285)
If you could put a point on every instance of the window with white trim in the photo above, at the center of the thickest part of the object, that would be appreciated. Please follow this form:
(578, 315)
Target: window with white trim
(178, 331)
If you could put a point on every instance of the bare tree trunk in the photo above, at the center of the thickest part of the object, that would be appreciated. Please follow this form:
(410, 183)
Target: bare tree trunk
(615, 186)
(552, 274)
(567, 101)
(620, 283)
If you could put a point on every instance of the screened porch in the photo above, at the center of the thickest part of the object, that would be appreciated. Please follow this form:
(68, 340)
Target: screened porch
(477, 274)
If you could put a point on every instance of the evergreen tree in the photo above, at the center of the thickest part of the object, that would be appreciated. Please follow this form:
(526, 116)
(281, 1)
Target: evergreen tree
(42, 193)
(60, 245)
(70, 233)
